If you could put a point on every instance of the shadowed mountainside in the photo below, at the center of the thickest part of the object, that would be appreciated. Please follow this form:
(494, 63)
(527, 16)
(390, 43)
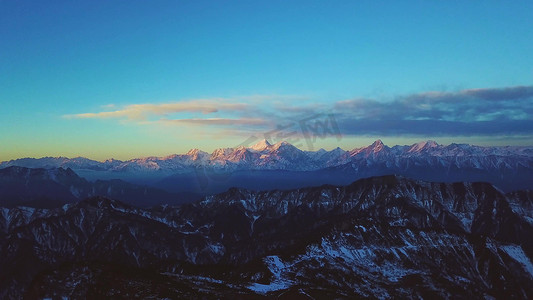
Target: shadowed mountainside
(378, 237)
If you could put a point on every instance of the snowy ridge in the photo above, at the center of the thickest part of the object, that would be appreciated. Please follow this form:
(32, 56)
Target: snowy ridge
(284, 156)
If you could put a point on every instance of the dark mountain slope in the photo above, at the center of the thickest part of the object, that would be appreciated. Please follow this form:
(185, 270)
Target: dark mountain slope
(379, 237)
(49, 188)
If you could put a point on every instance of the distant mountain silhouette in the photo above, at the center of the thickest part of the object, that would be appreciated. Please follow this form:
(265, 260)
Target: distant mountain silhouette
(48, 188)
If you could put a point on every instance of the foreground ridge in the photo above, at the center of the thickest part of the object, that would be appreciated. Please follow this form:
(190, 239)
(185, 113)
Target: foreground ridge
(382, 237)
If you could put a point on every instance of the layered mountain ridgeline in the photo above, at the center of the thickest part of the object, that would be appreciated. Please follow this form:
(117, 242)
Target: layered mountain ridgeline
(284, 166)
(48, 188)
(379, 237)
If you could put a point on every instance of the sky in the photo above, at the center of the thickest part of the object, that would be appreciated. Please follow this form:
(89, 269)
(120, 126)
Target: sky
(126, 79)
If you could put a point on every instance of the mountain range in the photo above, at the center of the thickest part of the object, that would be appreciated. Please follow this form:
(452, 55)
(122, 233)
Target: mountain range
(381, 237)
(284, 156)
(48, 188)
(283, 165)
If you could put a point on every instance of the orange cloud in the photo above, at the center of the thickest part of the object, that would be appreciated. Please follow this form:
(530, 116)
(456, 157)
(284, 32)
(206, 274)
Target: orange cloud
(218, 121)
(141, 112)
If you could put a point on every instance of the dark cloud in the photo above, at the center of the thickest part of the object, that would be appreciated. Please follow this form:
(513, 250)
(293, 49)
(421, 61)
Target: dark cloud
(464, 113)
(509, 93)
(434, 127)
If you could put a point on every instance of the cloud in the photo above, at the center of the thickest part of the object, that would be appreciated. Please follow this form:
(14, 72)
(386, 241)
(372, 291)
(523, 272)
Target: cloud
(434, 128)
(468, 112)
(108, 106)
(141, 112)
(218, 121)
(486, 112)
(509, 93)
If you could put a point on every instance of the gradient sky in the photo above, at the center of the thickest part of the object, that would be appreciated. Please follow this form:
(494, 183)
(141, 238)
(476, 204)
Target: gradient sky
(126, 79)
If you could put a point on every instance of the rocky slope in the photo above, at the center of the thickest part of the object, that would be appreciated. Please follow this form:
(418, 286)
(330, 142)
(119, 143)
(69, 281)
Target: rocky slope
(379, 237)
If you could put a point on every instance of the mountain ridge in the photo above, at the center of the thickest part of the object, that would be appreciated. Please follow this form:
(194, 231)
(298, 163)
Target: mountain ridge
(508, 167)
(383, 237)
(47, 188)
(264, 146)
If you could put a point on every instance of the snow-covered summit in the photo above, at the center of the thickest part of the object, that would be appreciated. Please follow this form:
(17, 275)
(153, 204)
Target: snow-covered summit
(377, 146)
(261, 145)
(197, 154)
(423, 146)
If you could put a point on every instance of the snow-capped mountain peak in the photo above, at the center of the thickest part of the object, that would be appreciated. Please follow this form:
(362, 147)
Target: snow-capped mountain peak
(377, 145)
(261, 145)
(282, 144)
(423, 145)
(197, 154)
(375, 148)
(221, 153)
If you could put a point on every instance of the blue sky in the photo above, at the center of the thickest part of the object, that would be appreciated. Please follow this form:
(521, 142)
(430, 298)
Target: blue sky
(175, 75)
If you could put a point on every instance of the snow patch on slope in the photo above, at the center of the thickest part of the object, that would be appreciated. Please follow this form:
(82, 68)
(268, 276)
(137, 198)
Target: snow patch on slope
(518, 254)
(277, 268)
